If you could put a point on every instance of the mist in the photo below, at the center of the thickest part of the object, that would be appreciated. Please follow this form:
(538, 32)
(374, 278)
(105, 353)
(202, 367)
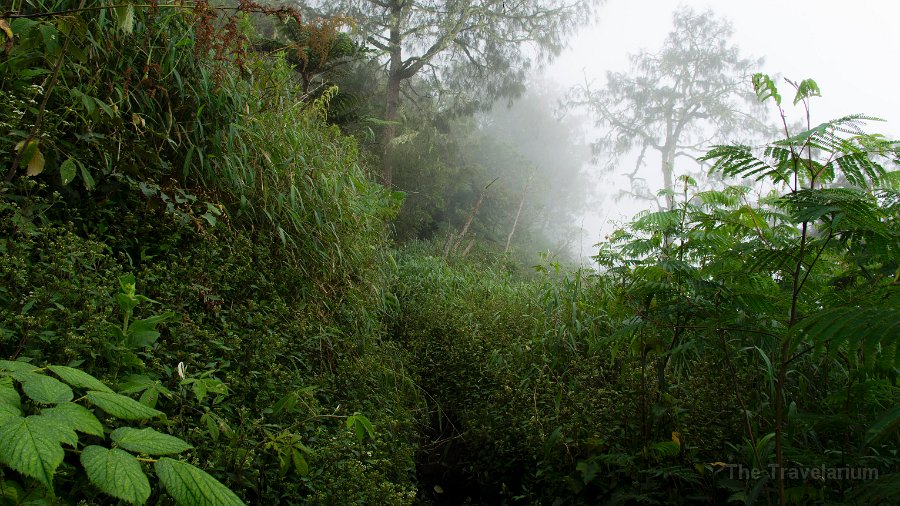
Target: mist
(845, 48)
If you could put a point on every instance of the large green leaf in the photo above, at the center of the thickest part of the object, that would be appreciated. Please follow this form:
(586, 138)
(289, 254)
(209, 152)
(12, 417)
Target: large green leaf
(32, 446)
(143, 333)
(8, 411)
(148, 441)
(8, 393)
(116, 473)
(77, 417)
(122, 407)
(78, 378)
(44, 389)
(16, 366)
(191, 486)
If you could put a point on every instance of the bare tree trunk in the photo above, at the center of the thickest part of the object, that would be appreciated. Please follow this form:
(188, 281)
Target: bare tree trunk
(519, 211)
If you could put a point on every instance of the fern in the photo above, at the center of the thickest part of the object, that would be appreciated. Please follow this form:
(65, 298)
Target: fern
(858, 332)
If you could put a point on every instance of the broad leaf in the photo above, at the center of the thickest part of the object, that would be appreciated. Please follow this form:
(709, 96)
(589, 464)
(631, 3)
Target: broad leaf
(77, 417)
(8, 412)
(44, 389)
(300, 463)
(116, 473)
(78, 378)
(122, 407)
(8, 393)
(67, 171)
(191, 486)
(148, 441)
(32, 447)
(143, 333)
(16, 366)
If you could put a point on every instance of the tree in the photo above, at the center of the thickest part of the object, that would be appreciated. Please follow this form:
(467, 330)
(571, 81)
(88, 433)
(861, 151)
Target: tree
(738, 280)
(477, 46)
(675, 101)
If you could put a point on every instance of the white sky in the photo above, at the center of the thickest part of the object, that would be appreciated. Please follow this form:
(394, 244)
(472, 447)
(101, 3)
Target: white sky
(851, 49)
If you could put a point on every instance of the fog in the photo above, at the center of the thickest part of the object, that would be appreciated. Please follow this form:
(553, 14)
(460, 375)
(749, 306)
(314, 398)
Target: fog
(851, 50)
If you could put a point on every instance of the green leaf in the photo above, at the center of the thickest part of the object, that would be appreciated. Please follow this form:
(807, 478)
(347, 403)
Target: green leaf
(300, 463)
(116, 473)
(361, 426)
(8, 412)
(765, 88)
(67, 171)
(588, 470)
(44, 389)
(78, 378)
(148, 441)
(143, 333)
(32, 447)
(124, 17)
(191, 486)
(122, 407)
(149, 397)
(86, 177)
(17, 366)
(8, 393)
(807, 88)
(77, 417)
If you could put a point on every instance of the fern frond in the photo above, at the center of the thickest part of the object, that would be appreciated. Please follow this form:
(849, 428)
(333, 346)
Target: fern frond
(855, 331)
(859, 168)
(740, 161)
(657, 221)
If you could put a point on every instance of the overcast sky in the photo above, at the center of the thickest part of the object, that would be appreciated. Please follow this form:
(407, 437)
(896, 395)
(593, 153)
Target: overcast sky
(851, 49)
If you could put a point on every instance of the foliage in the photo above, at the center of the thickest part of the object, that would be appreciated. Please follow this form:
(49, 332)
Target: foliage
(208, 258)
(33, 435)
(474, 48)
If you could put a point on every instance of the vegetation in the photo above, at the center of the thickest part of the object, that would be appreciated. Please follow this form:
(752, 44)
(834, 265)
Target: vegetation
(207, 298)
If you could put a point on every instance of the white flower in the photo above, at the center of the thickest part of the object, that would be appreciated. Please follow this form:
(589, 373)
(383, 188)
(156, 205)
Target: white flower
(180, 370)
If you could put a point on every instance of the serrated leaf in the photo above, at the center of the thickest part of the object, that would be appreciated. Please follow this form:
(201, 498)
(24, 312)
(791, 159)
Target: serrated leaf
(143, 333)
(148, 441)
(32, 446)
(8, 412)
(78, 378)
(67, 171)
(150, 397)
(16, 366)
(8, 393)
(116, 473)
(135, 383)
(191, 486)
(122, 407)
(44, 389)
(77, 417)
